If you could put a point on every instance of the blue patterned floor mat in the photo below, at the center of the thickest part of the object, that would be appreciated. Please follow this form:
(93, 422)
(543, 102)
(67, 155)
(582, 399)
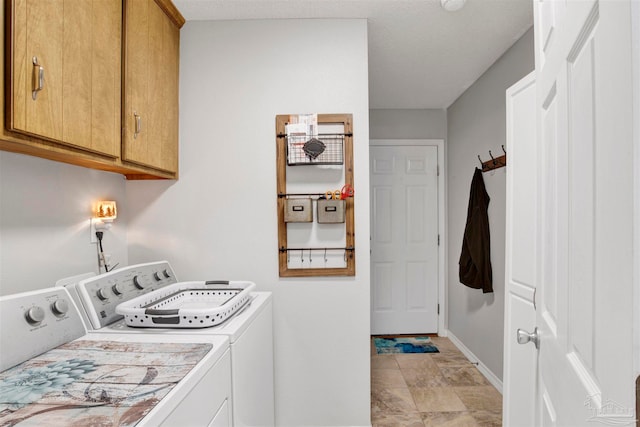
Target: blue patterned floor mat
(404, 345)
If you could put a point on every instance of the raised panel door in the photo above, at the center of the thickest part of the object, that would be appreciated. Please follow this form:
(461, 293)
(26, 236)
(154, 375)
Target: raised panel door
(404, 239)
(585, 252)
(520, 272)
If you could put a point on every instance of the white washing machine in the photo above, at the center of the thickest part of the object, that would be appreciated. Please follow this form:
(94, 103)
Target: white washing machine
(249, 331)
(53, 372)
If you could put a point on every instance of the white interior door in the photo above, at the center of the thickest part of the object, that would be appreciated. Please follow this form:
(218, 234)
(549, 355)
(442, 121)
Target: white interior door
(585, 179)
(404, 239)
(520, 266)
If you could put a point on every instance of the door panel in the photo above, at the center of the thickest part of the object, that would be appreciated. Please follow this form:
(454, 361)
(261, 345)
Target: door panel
(404, 233)
(136, 80)
(520, 267)
(417, 203)
(77, 79)
(382, 204)
(383, 272)
(582, 197)
(416, 289)
(151, 85)
(91, 75)
(77, 44)
(44, 32)
(585, 250)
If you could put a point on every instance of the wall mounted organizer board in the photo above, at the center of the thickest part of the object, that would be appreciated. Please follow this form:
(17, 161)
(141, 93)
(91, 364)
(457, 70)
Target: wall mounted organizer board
(316, 162)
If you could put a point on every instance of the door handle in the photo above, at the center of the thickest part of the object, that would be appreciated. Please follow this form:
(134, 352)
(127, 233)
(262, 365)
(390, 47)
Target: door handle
(525, 337)
(138, 124)
(38, 78)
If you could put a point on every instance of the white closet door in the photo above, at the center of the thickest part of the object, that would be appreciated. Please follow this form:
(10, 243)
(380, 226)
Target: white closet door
(404, 239)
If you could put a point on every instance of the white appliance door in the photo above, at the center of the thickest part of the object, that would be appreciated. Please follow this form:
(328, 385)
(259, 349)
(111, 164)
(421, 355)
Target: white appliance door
(585, 179)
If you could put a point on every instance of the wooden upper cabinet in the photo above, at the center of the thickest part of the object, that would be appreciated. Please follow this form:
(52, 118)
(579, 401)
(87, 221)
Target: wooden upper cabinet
(64, 72)
(150, 113)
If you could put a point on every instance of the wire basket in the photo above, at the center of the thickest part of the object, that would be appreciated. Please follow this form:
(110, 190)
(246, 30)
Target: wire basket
(324, 149)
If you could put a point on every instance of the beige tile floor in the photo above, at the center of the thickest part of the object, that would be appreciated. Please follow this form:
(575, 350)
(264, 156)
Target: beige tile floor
(437, 389)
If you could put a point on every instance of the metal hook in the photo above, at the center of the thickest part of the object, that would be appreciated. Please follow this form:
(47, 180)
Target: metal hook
(325, 256)
(505, 153)
(310, 259)
(491, 155)
(480, 160)
(302, 256)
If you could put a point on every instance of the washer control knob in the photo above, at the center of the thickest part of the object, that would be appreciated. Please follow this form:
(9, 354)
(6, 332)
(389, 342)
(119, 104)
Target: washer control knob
(117, 289)
(166, 273)
(34, 315)
(60, 307)
(137, 282)
(102, 294)
(156, 276)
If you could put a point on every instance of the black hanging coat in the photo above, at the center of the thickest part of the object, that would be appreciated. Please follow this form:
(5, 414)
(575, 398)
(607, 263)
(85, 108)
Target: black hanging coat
(475, 259)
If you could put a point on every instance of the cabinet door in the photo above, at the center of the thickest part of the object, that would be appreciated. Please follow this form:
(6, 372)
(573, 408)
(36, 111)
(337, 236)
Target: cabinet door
(71, 50)
(151, 86)
(37, 36)
(92, 74)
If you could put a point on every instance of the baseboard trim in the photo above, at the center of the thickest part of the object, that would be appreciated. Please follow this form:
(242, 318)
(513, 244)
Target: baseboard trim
(490, 376)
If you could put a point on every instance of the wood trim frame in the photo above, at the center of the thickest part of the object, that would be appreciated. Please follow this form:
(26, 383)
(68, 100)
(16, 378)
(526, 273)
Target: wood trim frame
(281, 167)
(172, 12)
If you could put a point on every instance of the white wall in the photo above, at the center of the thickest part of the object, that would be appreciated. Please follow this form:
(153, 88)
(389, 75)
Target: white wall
(408, 124)
(635, 56)
(45, 208)
(476, 124)
(220, 220)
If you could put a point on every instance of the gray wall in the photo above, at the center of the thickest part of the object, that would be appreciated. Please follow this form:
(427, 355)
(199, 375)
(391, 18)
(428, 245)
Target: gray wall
(476, 124)
(408, 124)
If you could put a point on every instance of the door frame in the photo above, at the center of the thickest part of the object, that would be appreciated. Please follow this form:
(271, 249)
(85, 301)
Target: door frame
(635, 57)
(442, 271)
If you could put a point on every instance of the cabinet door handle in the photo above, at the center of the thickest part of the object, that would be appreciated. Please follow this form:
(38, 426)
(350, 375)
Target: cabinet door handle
(138, 127)
(38, 78)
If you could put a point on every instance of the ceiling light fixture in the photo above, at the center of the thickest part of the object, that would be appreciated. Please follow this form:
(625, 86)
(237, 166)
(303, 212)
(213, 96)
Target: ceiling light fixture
(452, 5)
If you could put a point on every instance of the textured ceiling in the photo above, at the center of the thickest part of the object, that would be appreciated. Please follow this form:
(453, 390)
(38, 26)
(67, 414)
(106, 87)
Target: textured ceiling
(420, 56)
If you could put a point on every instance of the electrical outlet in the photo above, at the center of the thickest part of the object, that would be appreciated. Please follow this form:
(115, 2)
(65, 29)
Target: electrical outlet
(92, 231)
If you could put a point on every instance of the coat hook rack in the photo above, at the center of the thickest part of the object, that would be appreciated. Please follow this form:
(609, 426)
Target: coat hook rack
(495, 162)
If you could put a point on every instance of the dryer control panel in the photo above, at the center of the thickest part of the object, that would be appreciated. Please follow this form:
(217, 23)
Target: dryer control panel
(101, 294)
(36, 322)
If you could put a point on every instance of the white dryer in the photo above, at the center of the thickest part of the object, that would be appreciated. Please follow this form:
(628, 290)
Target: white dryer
(249, 331)
(53, 372)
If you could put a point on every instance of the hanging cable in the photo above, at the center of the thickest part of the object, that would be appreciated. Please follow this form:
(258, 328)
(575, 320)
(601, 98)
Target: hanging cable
(102, 258)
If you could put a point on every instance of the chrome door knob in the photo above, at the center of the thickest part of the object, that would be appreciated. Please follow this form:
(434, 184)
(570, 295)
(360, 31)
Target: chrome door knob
(525, 337)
